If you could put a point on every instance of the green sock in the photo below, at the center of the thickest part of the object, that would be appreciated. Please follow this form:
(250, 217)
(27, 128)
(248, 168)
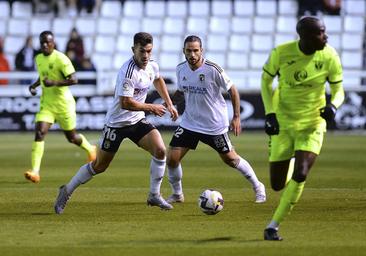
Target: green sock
(289, 198)
(85, 144)
(37, 154)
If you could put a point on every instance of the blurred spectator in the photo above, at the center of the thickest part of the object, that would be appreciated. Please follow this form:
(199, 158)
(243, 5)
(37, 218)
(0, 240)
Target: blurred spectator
(47, 6)
(332, 7)
(76, 45)
(24, 59)
(87, 65)
(74, 60)
(310, 7)
(88, 5)
(4, 64)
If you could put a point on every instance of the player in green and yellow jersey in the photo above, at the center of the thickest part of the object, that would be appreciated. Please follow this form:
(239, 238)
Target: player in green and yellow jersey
(56, 74)
(296, 111)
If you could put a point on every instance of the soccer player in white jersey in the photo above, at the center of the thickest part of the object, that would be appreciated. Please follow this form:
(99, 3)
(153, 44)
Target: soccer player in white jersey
(200, 83)
(126, 119)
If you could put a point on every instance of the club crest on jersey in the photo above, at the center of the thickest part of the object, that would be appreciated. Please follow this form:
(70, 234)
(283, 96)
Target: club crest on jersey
(50, 66)
(202, 77)
(318, 65)
(300, 75)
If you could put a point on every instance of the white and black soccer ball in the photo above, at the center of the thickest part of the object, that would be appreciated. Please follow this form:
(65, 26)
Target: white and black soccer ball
(211, 202)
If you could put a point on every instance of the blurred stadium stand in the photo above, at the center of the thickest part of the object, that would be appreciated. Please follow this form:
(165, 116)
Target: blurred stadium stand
(237, 34)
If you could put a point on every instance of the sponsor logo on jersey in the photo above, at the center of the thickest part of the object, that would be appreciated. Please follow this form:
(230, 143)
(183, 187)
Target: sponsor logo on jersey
(300, 75)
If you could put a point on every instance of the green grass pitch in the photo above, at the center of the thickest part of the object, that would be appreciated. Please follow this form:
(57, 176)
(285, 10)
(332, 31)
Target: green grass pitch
(109, 215)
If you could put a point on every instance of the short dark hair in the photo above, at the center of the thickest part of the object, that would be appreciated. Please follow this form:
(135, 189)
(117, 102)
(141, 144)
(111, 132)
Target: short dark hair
(45, 33)
(305, 24)
(192, 38)
(142, 38)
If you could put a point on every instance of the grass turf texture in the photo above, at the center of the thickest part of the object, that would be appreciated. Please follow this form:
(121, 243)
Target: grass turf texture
(109, 215)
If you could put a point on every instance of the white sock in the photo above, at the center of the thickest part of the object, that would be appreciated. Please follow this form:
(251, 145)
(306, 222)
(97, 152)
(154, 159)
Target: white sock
(157, 169)
(244, 168)
(175, 179)
(273, 225)
(84, 174)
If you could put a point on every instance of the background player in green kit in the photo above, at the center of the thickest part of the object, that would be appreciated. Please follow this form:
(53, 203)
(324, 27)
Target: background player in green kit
(296, 112)
(56, 73)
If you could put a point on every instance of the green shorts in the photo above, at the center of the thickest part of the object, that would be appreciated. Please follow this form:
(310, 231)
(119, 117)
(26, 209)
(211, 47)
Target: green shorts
(66, 120)
(283, 146)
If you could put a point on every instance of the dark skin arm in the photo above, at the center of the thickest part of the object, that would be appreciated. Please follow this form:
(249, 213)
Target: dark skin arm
(69, 80)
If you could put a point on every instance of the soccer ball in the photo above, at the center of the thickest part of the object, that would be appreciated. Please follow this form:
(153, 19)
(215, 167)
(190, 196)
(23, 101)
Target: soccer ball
(211, 202)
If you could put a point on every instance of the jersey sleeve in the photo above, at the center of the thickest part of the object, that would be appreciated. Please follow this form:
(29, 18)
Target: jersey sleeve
(124, 85)
(224, 80)
(155, 68)
(66, 66)
(270, 70)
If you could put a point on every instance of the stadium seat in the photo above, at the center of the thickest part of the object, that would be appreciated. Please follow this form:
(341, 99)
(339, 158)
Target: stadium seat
(133, 8)
(60, 41)
(266, 7)
(169, 60)
(174, 26)
(334, 40)
(105, 44)
(62, 26)
(5, 10)
(288, 7)
(102, 61)
(22, 9)
(264, 24)
(3, 26)
(237, 60)
(197, 25)
(177, 9)
(241, 24)
(155, 8)
(220, 25)
(240, 43)
(257, 59)
(130, 25)
(217, 42)
(281, 38)
(221, 8)
(88, 45)
(351, 60)
(19, 27)
(352, 41)
(111, 9)
(152, 25)
(355, 7)
(199, 8)
(12, 44)
(124, 43)
(286, 24)
(86, 26)
(354, 24)
(217, 57)
(262, 42)
(333, 23)
(107, 26)
(171, 43)
(244, 8)
(37, 25)
(120, 58)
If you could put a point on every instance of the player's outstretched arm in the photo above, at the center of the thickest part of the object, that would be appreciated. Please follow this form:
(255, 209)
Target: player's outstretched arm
(69, 80)
(235, 124)
(32, 87)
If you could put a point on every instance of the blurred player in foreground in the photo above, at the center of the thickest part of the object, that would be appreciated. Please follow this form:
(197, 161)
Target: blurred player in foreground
(205, 118)
(126, 119)
(56, 74)
(296, 113)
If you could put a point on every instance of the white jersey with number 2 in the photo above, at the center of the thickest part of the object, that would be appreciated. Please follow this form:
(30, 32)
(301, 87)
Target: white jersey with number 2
(205, 107)
(134, 82)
